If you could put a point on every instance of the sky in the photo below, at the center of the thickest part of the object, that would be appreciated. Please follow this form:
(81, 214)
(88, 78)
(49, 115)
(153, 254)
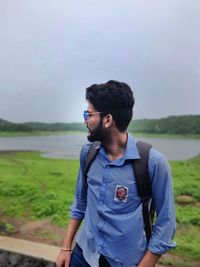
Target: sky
(51, 50)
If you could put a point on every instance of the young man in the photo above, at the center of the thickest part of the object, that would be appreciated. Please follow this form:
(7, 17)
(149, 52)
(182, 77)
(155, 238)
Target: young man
(112, 233)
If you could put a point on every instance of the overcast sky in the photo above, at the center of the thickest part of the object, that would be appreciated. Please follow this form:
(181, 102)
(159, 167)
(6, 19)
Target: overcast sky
(51, 50)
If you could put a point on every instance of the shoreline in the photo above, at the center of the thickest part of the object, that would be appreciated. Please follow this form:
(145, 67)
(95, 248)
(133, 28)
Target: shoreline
(136, 134)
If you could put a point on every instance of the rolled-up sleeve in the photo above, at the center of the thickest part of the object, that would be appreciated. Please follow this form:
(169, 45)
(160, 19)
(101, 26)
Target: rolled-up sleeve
(77, 210)
(162, 192)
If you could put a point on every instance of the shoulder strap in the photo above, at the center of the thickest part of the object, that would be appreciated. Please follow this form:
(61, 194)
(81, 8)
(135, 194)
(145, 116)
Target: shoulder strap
(141, 170)
(91, 155)
(144, 186)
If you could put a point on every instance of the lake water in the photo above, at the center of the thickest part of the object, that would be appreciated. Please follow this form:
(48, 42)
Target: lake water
(69, 146)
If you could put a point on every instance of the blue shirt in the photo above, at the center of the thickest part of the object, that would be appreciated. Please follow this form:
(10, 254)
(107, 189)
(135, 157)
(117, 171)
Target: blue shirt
(112, 210)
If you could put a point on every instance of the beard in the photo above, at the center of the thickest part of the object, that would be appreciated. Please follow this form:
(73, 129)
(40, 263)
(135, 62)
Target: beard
(97, 134)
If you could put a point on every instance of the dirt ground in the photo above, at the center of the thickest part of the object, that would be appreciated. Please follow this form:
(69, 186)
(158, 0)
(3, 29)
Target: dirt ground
(45, 232)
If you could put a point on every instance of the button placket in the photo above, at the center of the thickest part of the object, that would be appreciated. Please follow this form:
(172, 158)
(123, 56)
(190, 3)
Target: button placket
(103, 187)
(102, 195)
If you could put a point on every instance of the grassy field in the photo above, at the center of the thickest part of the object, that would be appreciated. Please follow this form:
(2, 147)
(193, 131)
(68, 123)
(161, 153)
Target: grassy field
(186, 176)
(34, 188)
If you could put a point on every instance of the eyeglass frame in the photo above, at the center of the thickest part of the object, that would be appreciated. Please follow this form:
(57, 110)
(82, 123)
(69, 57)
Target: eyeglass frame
(86, 114)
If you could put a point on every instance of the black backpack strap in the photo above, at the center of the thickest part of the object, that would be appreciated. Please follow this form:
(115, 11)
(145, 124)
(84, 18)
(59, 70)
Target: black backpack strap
(143, 182)
(91, 155)
(141, 170)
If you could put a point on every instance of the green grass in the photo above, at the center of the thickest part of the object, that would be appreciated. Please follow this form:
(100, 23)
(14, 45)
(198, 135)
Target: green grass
(186, 176)
(33, 187)
(188, 241)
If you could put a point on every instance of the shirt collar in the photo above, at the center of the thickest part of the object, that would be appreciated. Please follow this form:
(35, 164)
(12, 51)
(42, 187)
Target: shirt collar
(131, 151)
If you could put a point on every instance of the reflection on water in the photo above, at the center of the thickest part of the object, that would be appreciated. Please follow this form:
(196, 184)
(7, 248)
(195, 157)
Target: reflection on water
(69, 146)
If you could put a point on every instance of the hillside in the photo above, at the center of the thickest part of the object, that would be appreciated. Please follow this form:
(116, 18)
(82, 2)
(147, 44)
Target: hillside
(39, 126)
(187, 124)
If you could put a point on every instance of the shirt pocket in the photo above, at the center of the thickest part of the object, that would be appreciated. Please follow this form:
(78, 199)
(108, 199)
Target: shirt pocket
(123, 198)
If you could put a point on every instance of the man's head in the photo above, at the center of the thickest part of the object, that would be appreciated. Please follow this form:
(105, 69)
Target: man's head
(112, 100)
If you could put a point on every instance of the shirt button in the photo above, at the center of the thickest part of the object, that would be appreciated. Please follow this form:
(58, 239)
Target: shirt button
(100, 202)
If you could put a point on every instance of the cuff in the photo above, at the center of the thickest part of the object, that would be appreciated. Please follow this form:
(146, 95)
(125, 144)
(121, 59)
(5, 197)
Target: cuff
(160, 247)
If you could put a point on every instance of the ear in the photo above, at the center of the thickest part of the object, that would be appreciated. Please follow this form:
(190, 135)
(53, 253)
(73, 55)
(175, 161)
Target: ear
(108, 121)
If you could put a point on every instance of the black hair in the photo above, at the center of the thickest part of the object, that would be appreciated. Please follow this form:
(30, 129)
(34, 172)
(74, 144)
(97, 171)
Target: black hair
(115, 98)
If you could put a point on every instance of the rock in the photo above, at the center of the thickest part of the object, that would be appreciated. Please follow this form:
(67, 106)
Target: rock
(9, 259)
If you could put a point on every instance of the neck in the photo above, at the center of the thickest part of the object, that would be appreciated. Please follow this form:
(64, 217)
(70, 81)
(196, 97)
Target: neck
(115, 145)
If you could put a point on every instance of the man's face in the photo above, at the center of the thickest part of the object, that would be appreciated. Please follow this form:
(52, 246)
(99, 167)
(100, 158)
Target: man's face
(94, 123)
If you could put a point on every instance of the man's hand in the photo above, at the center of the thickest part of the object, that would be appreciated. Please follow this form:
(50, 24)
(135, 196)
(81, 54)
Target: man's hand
(63, 259)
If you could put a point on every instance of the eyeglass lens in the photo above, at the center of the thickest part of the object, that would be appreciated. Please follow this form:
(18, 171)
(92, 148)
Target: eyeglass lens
(85, 115)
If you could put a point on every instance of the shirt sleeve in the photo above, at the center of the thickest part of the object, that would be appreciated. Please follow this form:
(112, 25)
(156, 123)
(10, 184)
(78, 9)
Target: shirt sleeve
(163, 198)
(77, 210)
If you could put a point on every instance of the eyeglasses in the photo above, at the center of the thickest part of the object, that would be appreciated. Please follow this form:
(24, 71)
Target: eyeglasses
(87, 114)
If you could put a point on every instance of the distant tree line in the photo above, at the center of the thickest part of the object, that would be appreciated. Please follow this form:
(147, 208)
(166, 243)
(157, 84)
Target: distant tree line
(187, 124)
(14, 127)
(40, 126)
